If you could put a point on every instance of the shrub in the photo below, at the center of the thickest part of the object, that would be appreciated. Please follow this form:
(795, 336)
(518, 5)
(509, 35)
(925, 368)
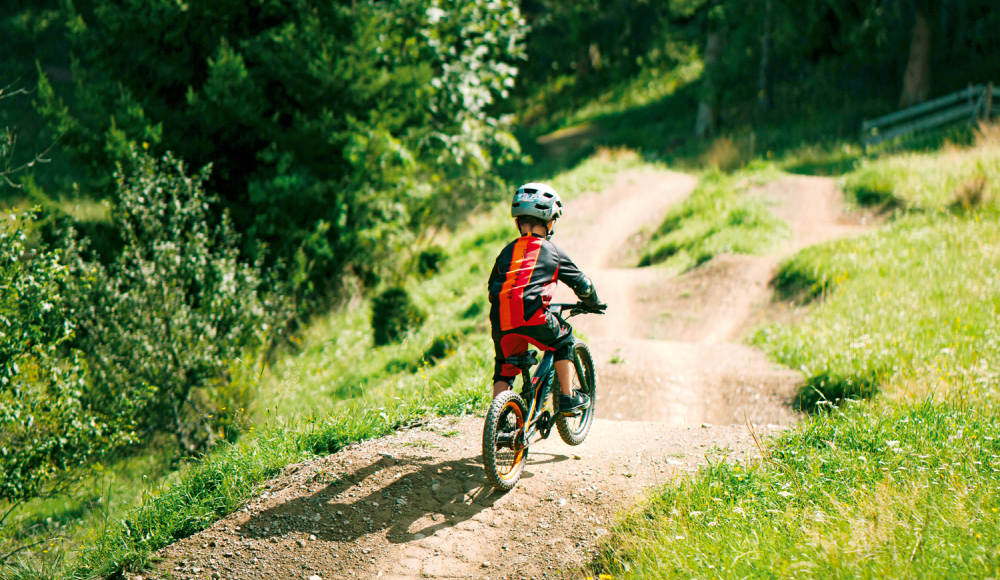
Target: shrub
(47, 431)
(393, 315)
(161, 324)
(969, 194)
(429, 261)
(725, 155)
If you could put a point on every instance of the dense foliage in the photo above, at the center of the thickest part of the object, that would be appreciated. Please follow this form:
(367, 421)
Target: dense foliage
(332, 126)
(48, 428)
(839, 57)
(161, 324)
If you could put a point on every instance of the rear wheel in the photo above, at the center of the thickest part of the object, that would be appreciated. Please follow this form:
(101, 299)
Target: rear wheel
(573, 430)
(503, 452)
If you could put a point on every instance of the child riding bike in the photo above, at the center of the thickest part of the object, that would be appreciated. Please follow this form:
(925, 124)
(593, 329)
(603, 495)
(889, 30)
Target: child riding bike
(521, 286)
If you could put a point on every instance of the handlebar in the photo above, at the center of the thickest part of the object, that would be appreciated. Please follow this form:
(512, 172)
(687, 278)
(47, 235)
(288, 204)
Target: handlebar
(577, 308)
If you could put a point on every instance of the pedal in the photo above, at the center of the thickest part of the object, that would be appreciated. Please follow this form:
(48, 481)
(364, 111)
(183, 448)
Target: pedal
(577, 412)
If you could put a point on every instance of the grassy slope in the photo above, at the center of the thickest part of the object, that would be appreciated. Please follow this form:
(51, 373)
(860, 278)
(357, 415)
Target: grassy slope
(334, 390)
(905, 485)
(717, 218)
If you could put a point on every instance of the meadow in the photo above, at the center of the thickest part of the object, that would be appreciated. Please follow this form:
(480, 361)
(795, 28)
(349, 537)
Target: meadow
(895, 470)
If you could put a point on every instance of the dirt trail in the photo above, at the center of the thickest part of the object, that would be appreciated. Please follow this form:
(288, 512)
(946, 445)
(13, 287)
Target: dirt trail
(665, 350)
(417, 504)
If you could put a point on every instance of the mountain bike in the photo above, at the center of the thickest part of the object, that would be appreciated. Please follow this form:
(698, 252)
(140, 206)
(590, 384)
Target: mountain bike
(513, 419)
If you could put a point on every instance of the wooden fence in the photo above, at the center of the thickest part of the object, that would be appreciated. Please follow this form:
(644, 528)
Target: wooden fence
(972, 104)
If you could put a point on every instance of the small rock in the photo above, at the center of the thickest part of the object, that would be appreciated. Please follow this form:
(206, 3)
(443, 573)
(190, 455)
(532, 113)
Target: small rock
(317, 518)
(577, 457)
(374, 504)
(227, 554)
(315, 577)
(273, 540)
(211, 544)
(401, 501)
(486, 564)
(301, 543)
(419, 536)
(216, 576)
(312, 538)
(196, 570)
(562, 501)
(435, 486)
(706, 425)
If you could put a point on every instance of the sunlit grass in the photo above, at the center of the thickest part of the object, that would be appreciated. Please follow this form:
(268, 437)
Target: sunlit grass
(902, 486)
(918, 298)
(927, 180)
(865, 491)
(718, 218)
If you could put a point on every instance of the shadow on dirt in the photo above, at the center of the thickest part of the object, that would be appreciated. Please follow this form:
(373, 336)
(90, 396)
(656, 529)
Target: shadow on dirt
(378, 497)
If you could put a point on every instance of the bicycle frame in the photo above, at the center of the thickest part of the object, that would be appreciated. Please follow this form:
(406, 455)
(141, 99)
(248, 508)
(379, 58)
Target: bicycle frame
(537, 387)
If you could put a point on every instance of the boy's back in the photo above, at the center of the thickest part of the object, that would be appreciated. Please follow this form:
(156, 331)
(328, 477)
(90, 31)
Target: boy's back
(524, 278)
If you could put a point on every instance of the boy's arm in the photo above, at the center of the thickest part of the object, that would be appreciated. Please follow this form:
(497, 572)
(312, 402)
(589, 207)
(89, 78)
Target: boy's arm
(571, 275)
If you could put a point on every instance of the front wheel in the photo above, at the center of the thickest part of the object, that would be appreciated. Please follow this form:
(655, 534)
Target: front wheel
(503, 450)
(573, 430)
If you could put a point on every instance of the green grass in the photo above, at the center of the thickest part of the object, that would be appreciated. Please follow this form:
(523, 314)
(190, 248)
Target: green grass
(905, 485)
(918, 298)
(226, 479)
(865, 491)
(719, 217)
(927, 180)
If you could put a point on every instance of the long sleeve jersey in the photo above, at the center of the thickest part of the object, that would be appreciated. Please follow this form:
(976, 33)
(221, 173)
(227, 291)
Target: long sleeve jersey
(524, 279)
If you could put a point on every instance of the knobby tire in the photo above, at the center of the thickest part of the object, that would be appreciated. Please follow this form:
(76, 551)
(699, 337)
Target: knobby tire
(503, 465)
(573, 430)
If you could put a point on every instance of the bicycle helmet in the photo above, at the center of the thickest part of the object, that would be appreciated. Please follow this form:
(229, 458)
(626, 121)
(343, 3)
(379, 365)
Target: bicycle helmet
(536, 200)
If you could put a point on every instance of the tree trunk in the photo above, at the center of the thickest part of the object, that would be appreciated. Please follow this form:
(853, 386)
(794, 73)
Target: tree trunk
(705, 123)
(763, 72)
(917, 79)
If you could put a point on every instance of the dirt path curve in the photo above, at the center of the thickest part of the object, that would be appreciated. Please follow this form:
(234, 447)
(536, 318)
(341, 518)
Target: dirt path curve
(417, 504)
(665, 352)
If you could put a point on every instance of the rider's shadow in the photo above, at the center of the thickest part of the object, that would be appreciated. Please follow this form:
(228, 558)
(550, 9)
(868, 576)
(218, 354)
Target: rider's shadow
(444, 494)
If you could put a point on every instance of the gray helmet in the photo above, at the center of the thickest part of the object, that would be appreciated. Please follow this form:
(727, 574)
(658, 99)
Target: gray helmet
(538, 200)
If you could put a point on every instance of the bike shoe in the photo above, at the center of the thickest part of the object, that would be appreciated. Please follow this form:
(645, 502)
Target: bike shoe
(569, 405)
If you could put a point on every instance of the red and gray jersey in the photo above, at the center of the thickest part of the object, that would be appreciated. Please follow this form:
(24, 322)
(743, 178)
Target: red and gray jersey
(524, 279)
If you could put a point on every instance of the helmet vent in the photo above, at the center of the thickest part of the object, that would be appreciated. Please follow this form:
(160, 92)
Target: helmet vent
(530, 190)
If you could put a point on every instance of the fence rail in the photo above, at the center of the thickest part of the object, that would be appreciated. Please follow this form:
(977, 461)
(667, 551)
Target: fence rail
(972, 104)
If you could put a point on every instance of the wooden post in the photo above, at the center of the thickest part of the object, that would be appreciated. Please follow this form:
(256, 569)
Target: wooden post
(989, 101)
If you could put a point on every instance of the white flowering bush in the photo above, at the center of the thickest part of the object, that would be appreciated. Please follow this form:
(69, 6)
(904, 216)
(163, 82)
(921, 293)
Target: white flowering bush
(163, 322)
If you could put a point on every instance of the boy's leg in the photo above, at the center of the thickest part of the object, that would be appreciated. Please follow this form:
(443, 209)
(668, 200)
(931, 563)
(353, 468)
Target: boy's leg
(564, 368)
(499, 387)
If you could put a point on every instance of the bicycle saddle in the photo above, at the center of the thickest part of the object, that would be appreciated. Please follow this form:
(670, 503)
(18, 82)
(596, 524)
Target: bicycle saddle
(523, 361)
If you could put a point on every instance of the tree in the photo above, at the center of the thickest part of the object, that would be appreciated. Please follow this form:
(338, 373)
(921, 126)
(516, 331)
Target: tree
(763, 69)
(334, 128)
(708, 101)
(917, 78)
